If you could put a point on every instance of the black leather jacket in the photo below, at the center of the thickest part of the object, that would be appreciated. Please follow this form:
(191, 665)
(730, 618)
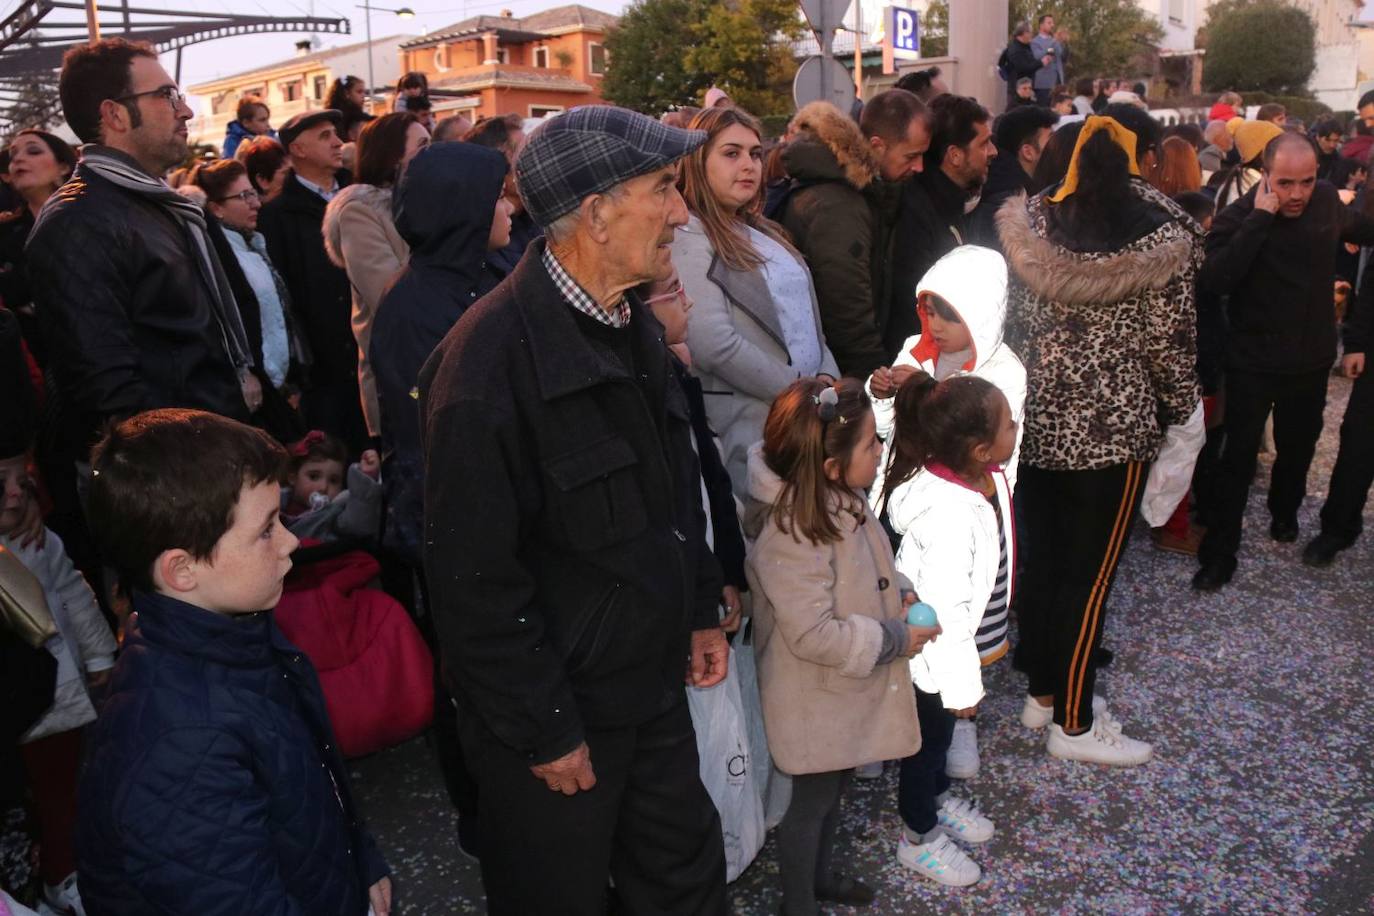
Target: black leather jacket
(128, 320)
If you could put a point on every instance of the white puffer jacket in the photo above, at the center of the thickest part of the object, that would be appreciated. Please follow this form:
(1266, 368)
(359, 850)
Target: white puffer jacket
(950, 552)
(83, 644)
(973, 280)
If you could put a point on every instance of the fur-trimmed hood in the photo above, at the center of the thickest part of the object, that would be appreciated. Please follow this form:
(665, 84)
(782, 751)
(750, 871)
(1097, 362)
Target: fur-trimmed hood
(366, 195)
(1078, 278)
(829, 147)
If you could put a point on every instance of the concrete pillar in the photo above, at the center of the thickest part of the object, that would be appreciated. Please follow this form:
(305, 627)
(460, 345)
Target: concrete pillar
(978, 31)
(489, 49)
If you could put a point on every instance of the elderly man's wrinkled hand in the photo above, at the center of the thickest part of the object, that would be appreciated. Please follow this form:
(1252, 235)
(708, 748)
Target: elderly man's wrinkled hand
(710, 658)
(569, 774)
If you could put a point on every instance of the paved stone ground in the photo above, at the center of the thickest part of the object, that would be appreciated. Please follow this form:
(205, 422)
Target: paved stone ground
(1260, 798)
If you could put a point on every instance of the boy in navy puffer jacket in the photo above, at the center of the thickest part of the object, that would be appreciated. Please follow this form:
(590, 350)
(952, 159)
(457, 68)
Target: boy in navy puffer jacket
(213, 783)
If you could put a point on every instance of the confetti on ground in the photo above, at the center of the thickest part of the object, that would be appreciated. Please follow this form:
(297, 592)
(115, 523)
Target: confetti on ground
(1260, 799)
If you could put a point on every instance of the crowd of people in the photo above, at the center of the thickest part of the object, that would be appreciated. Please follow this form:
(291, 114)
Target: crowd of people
(557, 427)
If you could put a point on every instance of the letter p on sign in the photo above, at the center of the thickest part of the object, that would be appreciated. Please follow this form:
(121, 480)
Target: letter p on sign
(903, 32)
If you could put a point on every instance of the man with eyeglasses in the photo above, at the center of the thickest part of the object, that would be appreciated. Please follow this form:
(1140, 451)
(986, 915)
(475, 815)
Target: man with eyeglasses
(292, 223)
(126, 283)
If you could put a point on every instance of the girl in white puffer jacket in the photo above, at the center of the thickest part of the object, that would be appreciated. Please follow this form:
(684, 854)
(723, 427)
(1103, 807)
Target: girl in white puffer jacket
(948, 499)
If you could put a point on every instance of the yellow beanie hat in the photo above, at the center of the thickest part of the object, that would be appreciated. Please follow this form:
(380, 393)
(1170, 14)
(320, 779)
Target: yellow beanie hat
(1253, 136)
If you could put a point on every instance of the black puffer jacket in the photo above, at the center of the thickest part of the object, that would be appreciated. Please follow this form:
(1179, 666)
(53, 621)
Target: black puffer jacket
(564, 531)
(127, 318)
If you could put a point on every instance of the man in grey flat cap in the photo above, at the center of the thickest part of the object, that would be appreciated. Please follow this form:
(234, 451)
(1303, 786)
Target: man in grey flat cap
(570, 582)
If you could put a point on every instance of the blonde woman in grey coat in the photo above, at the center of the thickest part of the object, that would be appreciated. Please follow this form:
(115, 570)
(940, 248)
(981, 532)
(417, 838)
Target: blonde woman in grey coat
(755, 326)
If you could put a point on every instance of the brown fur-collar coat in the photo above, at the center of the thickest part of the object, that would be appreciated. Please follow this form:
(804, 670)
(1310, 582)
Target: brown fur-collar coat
(1108, 339)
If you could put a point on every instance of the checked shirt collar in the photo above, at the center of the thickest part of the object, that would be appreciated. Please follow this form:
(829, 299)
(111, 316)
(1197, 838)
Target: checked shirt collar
(578, 298)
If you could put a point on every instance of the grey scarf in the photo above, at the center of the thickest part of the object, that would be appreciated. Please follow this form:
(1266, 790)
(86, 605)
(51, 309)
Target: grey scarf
(190, 216)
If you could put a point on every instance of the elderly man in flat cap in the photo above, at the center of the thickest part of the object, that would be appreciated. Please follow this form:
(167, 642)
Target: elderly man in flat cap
(320, 292)
(570, 582)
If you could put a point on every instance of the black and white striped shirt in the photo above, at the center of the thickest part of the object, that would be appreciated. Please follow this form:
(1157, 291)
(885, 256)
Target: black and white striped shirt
(992, 631)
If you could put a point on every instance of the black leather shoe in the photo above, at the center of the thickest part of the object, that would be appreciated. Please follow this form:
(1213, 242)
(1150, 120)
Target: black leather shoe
(1283, 532)
(1213, 576)
(1322, 550)
(845, 890)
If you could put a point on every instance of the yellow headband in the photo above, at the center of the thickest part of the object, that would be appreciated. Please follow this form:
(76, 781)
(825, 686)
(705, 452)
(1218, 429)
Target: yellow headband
(1120, 136)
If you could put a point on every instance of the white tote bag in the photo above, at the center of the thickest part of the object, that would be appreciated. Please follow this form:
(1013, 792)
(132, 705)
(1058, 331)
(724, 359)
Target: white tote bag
(773, 785)
(1171, 475)
(726, 765)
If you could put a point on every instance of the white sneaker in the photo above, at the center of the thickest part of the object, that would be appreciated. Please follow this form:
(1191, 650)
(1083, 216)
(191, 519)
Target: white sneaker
(872, 770)
(962, 821)
(1033, 715)
(940, 860)
(961, 761)
(1100, 744)
(63, 897)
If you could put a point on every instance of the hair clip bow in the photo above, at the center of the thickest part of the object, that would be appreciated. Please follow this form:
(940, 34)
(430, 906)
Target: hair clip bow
(302, 448)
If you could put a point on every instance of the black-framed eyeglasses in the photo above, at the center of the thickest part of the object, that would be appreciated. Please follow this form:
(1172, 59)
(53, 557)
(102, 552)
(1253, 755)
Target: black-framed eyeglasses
(246, 196)
(172, 94)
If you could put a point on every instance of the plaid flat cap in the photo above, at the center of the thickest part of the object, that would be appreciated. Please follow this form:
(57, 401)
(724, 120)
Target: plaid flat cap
(590, 149)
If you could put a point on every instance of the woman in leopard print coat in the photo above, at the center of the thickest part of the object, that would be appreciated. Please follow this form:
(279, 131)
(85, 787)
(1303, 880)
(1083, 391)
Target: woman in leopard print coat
(1101, 312)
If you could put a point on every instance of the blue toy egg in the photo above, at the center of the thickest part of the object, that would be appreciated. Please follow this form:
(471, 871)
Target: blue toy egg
(922, 615)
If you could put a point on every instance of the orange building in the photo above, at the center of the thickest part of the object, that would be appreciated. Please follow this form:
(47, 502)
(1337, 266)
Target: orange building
(531, 66)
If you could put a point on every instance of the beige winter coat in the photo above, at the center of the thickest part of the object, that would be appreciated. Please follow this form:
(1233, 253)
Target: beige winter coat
(360, 236)
(826, 704)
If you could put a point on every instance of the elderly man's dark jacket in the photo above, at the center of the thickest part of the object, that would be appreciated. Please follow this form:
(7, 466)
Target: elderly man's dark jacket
(128, 319)
(564, 527)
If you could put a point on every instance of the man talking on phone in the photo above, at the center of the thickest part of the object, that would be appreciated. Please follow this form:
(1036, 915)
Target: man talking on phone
(1273, 253)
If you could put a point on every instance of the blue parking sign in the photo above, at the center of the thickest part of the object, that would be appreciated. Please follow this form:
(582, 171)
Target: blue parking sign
(904, 31)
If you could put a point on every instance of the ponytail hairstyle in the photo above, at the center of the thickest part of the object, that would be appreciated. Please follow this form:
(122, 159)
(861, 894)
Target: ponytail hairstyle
(1086, 219)
(939, 423)
(808, 423)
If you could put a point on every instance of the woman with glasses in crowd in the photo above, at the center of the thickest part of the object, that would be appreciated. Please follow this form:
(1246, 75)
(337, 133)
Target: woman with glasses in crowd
(756, 327)
(259, 291)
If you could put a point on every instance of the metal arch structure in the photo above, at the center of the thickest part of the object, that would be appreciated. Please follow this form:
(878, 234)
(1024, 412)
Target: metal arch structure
(25, 51)
(38, 33)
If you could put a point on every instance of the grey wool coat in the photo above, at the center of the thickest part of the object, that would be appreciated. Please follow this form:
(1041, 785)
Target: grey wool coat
(738, 349)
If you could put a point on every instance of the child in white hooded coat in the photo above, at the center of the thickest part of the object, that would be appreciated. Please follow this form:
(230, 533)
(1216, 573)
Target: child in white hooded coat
(962, 302)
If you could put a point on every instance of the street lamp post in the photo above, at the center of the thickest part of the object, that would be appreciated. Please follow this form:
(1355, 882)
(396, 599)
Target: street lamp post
(404, 12)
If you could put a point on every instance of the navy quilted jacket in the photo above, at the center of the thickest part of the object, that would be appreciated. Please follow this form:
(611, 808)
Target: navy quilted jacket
(213, 785)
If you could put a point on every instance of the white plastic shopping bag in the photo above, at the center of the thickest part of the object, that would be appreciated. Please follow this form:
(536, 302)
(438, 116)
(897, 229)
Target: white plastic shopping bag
(773, 785)
(1172, 473)
(726, 764)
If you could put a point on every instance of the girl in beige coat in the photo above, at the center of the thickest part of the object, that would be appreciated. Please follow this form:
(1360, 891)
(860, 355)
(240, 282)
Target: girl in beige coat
(830, 623)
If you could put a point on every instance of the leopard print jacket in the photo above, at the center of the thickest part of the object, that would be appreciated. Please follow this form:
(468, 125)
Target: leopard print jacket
(1109, 340)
